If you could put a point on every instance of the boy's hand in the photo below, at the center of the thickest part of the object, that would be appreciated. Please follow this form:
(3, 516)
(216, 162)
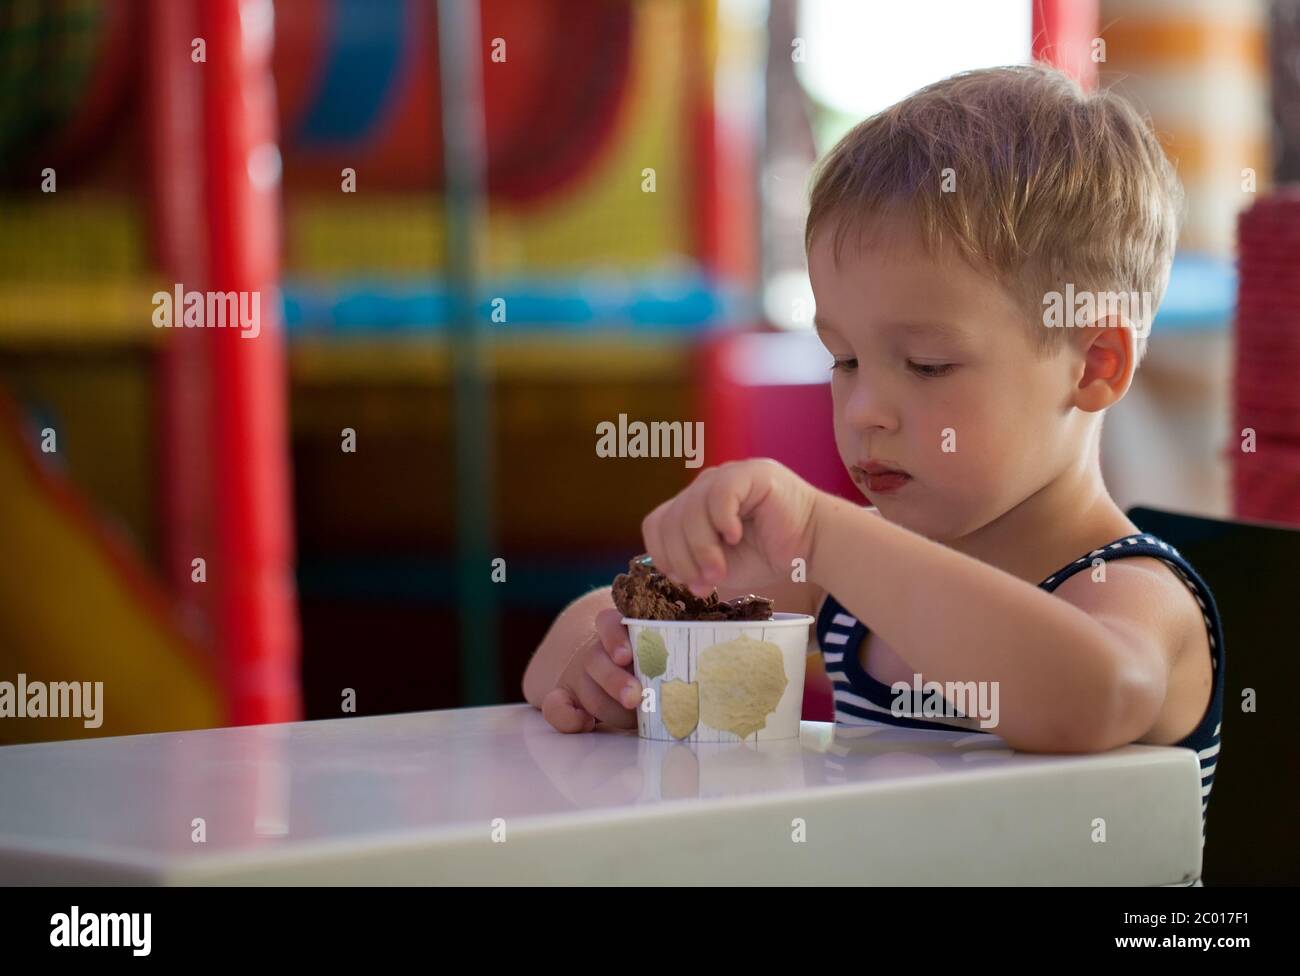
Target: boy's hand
(740, 524)
(597, 683)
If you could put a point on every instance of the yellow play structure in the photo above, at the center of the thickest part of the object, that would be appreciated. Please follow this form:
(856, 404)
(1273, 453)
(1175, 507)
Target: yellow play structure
(78, 605)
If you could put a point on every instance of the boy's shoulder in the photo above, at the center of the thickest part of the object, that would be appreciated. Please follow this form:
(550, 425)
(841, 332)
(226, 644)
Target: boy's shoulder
(1162, 624)
(1136, 581)
(1142, 594)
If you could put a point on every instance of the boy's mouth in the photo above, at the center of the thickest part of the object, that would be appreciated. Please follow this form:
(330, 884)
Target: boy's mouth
(879, 478)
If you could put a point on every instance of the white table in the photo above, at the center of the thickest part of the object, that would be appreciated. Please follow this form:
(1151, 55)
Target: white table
(412, 799)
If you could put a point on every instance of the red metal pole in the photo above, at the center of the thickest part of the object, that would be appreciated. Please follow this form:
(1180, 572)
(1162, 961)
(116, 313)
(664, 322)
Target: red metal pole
(174, 112)
(256, 621)
(1064, 31)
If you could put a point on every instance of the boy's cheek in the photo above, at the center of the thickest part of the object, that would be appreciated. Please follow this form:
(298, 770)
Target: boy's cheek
(965, 465)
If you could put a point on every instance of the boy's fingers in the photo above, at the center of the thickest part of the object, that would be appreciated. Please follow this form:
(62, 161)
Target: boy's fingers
(684, 567)
(722, 507)
(596, 702)
(617, 683)
(704, 542)
(653, 538)
(559, 709)
(613, 637)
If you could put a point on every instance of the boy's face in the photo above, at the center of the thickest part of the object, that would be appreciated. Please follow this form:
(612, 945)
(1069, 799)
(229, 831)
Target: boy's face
(938, 379)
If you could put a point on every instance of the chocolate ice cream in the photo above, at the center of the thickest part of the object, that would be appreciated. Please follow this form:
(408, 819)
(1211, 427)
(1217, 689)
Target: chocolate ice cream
(647, 594)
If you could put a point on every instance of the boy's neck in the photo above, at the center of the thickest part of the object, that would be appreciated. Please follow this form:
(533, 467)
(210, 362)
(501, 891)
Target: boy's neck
(1069, 516)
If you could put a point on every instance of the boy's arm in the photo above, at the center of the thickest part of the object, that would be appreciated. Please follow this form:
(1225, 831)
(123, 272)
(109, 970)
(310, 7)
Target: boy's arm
(1069, 679)
(572, 630)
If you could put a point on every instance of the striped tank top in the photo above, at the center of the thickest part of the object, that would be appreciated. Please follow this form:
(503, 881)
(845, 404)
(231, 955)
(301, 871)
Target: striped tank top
(862, 700)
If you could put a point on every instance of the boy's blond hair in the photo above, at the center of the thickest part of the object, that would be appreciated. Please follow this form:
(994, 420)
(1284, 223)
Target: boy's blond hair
(1025, 175)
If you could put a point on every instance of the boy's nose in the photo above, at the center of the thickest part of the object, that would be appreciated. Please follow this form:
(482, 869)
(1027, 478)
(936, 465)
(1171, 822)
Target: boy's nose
(868, 407)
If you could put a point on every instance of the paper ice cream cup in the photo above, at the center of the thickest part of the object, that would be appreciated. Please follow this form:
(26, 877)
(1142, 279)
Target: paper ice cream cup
(720, 680)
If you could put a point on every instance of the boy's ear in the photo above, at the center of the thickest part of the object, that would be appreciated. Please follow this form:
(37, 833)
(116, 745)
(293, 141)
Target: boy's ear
(1109, 355)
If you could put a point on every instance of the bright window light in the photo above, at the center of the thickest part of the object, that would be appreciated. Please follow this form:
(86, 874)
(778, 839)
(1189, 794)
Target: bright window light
(863, 55)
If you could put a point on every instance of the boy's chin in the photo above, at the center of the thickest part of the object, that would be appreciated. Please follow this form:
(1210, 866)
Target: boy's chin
(937, 527)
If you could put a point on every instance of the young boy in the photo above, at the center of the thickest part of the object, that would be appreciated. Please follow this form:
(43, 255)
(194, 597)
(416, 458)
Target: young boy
(943, 236)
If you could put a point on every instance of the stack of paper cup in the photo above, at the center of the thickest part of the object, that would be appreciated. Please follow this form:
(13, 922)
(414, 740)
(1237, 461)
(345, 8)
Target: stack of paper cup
(1266, 383)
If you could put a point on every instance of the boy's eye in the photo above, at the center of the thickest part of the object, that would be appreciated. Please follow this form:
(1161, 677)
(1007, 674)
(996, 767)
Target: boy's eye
(932, 369)
(844, 364)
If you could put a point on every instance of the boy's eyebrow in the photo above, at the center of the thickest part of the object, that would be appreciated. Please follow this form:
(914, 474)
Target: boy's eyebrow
(941, 329)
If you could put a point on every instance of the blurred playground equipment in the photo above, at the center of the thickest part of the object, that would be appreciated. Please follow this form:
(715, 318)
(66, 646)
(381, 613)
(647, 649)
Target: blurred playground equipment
(620, 229)
(615, 264)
